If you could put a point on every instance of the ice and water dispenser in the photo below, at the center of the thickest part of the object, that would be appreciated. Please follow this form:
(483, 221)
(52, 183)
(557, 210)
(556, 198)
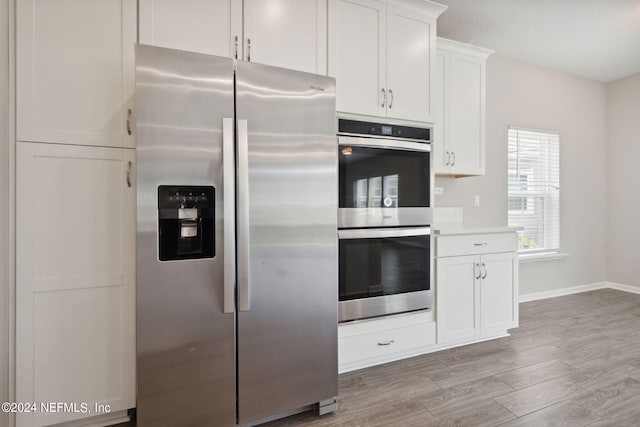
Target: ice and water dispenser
(186, 222)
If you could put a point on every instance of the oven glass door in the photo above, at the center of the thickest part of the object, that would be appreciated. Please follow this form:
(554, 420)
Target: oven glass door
(383, 178)
(371, 267)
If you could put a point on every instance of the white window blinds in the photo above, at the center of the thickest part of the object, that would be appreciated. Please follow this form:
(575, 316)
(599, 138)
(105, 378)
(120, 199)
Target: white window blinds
(534, 188)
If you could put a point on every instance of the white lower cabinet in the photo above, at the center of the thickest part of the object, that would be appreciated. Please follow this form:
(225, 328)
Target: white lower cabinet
(75, 307)
(476, 294)
(371, 342)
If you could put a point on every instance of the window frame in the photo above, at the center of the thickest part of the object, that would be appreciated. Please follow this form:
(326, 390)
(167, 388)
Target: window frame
(549, 219)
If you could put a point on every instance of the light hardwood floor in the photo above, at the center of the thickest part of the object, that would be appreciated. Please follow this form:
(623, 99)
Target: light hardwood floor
(575, 360)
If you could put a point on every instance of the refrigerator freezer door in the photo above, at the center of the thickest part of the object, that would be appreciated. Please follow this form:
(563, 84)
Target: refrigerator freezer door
(185, 341)
(287, 219)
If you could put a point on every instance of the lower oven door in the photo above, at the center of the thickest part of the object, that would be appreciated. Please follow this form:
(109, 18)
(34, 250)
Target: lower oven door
(384, 271)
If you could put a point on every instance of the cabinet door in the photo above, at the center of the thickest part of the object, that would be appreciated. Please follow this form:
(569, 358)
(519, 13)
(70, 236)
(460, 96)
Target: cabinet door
(75, 307)
(457, 298)
(467, 113)
(75, 71)
(411, 49)
(204, 26)
(499, 304)
(440, 151)
(287, 33)
(357, 55)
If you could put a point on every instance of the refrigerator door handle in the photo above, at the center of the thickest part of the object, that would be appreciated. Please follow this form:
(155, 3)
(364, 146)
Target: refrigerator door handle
(229, 194)
(244, 289)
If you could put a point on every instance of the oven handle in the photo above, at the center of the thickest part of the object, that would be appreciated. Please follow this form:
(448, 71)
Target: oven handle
(390, 143)
(376, 233)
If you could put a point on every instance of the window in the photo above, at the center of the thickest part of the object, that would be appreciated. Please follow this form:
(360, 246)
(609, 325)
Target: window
(534, 189)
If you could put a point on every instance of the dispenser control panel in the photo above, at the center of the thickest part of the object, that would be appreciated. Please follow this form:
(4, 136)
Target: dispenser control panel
(186, 218)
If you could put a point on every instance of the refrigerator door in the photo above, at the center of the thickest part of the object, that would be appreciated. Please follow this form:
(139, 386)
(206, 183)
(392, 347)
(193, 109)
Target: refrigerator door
(185, 340)
(287, 240)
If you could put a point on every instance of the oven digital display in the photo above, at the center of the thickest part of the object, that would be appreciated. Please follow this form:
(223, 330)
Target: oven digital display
(386, 130)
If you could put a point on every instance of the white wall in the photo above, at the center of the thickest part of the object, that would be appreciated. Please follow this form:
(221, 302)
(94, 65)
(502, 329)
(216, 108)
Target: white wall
(623, 231)
(524, 95)
(4, 207)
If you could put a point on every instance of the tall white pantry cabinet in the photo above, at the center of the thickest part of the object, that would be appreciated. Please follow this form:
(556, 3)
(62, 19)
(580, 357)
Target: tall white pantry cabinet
(75, 206)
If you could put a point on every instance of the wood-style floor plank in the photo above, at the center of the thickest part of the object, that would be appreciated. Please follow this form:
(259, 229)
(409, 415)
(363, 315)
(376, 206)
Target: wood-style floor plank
(574, 361)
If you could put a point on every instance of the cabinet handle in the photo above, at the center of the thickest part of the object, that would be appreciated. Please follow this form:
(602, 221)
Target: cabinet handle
(386, 342)
(129, 183)
(129, 112)
(235, 47)
(479, 270)
(249, 50)
(384, 97)
(484, 276)
(480, 244)
(390, 99)
(453, 162)
(448, 158)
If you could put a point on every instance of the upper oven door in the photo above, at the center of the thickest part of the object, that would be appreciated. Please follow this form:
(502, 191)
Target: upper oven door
(383, 182)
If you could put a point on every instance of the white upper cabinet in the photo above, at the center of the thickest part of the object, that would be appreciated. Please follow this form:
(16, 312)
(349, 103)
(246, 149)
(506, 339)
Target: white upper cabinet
(284, 33)
(357, 55)
(411, 43)
(204, 26)
(459, 140)
(287, 33)
(75, 71)
(382, 56)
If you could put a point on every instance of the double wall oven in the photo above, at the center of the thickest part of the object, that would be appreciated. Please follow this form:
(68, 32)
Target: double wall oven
(384, 219)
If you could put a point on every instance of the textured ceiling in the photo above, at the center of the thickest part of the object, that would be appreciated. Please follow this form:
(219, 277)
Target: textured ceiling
(596, 39)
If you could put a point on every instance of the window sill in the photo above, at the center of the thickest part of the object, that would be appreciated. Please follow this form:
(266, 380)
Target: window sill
(543, 256)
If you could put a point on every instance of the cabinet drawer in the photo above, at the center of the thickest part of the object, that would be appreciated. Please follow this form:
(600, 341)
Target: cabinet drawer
(476, 244)
(386, 342)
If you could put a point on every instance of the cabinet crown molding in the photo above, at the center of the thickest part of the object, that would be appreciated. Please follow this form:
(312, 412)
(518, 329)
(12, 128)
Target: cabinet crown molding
(424, 6)
(463, 48)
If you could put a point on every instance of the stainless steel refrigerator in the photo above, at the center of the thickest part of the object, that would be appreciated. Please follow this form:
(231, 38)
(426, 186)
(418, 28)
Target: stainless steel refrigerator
(236, 240)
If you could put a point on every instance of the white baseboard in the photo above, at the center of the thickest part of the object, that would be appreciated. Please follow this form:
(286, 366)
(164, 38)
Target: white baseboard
(578, 289)
(625, 288)
(562, 291)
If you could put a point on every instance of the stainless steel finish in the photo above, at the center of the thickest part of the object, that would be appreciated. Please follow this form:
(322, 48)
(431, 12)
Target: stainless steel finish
(386, 343)
(448, 158)
(287, 342)
(129, 183)
(390, 143)
(244, 241)
(235, 47)
(386, 138)
(249, 50)
(484, 267)
(185, 343)
(379, 306)
(229, 182)
(391, 99)
(188, 213)
(384, 97)
(188, 229)
(129, 112)
(479, 270)
(328, 405)
(383, 217)
(373, 233)
(453, 162)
